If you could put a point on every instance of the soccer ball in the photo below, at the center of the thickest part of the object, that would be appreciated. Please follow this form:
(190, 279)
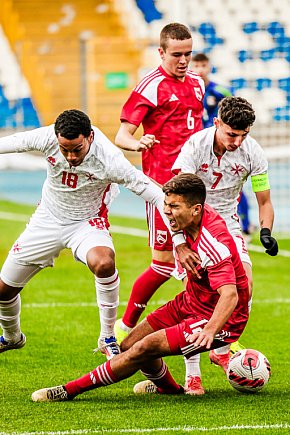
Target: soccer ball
(248, 371)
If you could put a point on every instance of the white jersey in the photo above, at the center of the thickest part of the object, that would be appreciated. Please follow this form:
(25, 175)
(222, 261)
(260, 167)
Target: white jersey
(224, 175)
(77, 193)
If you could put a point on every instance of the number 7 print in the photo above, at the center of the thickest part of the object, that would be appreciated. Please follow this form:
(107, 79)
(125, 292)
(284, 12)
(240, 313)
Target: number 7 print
(219, 176)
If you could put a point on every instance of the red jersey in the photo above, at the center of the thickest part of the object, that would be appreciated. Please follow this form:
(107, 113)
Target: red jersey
(171, 110)
(220, 265)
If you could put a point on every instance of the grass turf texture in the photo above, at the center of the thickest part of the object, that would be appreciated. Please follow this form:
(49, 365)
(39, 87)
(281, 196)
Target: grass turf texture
(60, 320)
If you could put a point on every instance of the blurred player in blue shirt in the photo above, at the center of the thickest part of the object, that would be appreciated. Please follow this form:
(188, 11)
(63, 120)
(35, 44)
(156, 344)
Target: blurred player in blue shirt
(214, 92)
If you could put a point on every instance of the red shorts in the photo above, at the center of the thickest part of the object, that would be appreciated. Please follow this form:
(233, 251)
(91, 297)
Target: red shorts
(159, 236)
(179, 321)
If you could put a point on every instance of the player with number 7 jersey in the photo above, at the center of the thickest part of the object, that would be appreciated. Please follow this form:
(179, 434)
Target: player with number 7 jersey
(224, 156)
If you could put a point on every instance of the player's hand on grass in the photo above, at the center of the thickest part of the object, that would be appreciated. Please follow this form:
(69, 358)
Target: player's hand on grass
(188, 259)
(147, 141)
(269, 242)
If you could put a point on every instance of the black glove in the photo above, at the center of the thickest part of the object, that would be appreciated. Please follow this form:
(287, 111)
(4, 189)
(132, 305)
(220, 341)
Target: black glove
(268, 242)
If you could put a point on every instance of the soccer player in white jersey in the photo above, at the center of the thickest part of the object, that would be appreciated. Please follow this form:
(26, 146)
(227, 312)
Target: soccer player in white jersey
(82, 169)
(224, 156)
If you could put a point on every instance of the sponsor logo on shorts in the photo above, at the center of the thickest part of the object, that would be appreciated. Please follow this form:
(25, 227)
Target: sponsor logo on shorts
(98, 222)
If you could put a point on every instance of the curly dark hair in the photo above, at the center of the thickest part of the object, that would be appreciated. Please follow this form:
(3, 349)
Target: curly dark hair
(71, 123)
(173, 31)
(190, 186)
(236, 112)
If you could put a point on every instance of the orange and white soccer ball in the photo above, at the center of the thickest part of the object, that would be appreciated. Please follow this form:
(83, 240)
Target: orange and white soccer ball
(249, 371)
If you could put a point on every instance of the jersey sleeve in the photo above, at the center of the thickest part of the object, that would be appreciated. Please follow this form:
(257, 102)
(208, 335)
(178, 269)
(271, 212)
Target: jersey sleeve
(116, 168)
(221, 274)
(34, 140)
(216, 258)
(135, 109)
(185, 161)
(259, 168)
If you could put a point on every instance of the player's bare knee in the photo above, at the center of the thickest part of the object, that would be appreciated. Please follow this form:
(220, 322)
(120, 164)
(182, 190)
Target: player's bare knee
(142, 350)
(7, 292)
(104, 267)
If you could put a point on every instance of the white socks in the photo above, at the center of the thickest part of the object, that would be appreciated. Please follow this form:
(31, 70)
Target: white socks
(107, 290)
(192, 366)
(10, 319)
(222, 350)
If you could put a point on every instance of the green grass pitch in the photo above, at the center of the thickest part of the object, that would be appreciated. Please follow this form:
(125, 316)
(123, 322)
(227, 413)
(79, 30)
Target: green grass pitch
(60, 319)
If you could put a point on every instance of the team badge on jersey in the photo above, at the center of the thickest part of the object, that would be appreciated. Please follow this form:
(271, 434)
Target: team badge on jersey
(51, 160)
(198, 93)
(90, 177)
(204, 167)
(237, 169)
(161, 237)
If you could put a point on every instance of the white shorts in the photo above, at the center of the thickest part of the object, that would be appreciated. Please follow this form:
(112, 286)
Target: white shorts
(44, 238)
(242, 247)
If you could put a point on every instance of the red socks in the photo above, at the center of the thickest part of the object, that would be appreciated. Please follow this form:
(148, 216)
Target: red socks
(164, 381)
(100, 376)
(144, 288)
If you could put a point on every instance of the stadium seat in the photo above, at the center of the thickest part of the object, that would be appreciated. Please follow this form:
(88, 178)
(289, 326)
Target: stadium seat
(149, 10)
(284, 84)
(244, 55)
(275, 29)
(238, 83)
(262, 83)
(281, 113)
(251, 27)
(268, 54)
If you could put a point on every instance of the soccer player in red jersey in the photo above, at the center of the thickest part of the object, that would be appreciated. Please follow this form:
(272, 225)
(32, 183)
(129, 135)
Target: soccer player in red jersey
(211, 312)
(168, 102)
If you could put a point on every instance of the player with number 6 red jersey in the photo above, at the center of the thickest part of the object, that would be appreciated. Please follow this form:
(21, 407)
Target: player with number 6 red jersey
(169, 109)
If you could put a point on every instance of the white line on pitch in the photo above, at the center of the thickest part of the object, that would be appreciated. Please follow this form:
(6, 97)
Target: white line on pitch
(124, 303)
(129, 231)
(157, 429)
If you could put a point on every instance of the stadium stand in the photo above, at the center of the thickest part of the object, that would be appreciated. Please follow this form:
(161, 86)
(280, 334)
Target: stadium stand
(248, 44)
(74, 54)
(88, 54)
(16, 105)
